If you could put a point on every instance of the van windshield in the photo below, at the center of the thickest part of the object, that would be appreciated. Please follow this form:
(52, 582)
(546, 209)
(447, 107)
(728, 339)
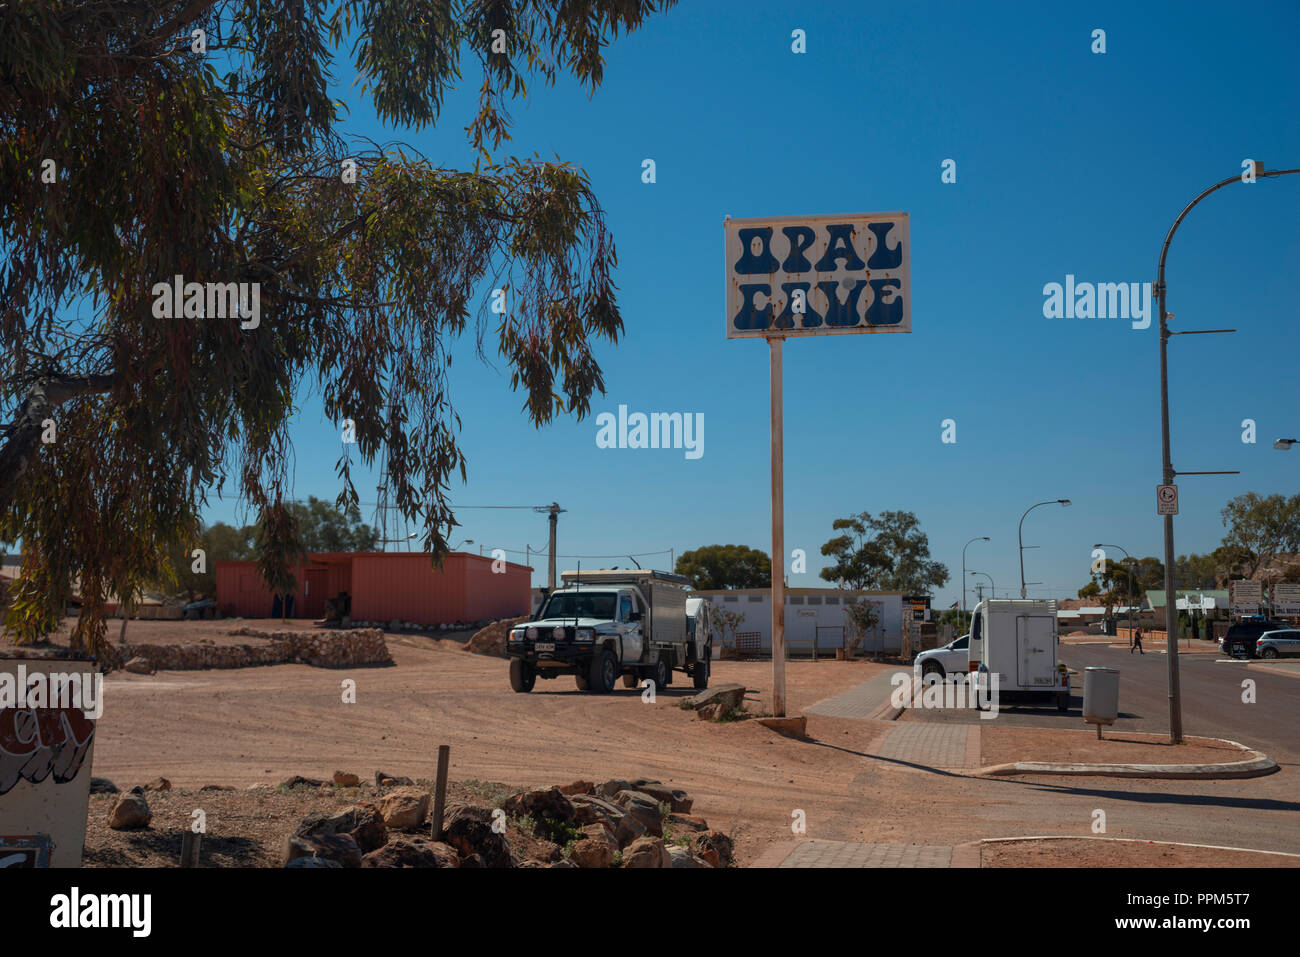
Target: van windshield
(583, 604)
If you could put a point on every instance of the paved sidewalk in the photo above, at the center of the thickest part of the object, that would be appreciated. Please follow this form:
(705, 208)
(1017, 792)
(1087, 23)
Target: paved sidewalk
(860, 701)
(850, 854)
(933, 745)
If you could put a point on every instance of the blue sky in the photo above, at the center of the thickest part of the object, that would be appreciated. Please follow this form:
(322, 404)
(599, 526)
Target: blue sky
(1067, 162)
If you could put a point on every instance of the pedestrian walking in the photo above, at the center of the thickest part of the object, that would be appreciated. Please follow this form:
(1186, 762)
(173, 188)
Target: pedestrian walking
(1137, 642)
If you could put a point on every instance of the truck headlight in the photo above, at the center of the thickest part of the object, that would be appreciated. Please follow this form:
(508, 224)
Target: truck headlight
(517, 635)
(584, 634)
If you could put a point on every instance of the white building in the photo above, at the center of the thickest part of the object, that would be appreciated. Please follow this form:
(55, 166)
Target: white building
(812, 615)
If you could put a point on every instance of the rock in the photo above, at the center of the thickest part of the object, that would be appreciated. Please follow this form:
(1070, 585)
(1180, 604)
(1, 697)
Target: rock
(588, 809)
(140, 666)
(314, 862)
(595, 848)
(726, 696)
(217, 787)
(158, 784)
(548, 807)
(561, 863)
(792, 726)
(690, 822)
(412, 852)
(715, 844)
(469, 830)
(361, 822)
(646, 852)
(340, 848)
(346, 779)
(405, 808)
(644, 808)
(102, 786)
(629, 829)
(676, 798)
(612, 787)
(383, 780)
(685, 857)
(708, 712)
(298, 780)
(129, 811)
(577, 787)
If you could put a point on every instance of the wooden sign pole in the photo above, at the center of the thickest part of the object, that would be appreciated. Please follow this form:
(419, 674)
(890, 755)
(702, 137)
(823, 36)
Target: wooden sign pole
(778, 531)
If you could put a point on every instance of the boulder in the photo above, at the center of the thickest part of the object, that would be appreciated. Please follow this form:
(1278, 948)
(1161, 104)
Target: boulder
(314, 862)
(713, 844)
(140, 666)
(102, 786)
(646, 852)
(688, 822)
(612, 787)
(346, 779)
(708, 712)
(469, 830)
(577, 787)
(595, 848)
(158, 784)
(404, 851)
(217, 787)
(406, 808)
(129, 811)
(361, 822)
(629, 829)
(299, 781)
(726, 696)
(644, 808)
(548, 807)
(685, 857)
(676, 798)
(588, 809)
(340, 848)
(383, 780)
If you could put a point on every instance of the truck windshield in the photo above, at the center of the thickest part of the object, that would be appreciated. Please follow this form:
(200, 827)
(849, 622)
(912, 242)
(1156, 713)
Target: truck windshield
(583, 604)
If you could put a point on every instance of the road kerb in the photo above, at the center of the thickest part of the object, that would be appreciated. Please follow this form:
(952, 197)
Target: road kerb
(1257, 765)
(1129, 840)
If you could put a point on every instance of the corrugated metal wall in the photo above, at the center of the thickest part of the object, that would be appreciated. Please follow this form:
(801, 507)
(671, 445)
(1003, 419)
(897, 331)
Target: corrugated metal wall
(388, 586)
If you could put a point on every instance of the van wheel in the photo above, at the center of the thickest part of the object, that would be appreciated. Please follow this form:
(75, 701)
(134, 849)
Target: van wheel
(604, 671)
(522, 675)
(701, 673)
(663, 674)
(1062, 701)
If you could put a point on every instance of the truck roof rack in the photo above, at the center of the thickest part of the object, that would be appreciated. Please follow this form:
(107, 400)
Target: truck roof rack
(617, 576)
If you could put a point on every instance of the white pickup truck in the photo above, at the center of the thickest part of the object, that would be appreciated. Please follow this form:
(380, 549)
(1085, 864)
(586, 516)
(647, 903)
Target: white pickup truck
(612, 622)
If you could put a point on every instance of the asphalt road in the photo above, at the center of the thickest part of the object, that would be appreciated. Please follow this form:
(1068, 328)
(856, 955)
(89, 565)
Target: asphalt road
(1211, 695)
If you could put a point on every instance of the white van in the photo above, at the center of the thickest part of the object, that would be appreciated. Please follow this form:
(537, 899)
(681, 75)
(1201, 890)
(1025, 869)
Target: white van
(1016, 640)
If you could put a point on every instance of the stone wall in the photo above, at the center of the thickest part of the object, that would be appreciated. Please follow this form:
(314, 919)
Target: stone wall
(324, 649)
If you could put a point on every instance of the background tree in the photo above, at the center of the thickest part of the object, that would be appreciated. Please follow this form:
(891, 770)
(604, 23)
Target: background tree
(727, 622)
(861, 617)
(324, 528)
(163, 166)
(726, 566)
(890, 553)
(1260, 527)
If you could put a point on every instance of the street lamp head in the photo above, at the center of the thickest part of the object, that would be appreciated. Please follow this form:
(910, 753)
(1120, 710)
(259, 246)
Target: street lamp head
(1285, 444)
(984, 539)
(1063, 501)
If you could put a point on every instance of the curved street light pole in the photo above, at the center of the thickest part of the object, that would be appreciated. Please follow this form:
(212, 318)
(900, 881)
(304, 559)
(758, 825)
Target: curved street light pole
(1171, 640)
(1020, 537)
(993, 591)
(978, 538)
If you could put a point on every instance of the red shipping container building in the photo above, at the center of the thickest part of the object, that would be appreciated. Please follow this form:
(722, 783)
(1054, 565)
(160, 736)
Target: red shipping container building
(385, 586)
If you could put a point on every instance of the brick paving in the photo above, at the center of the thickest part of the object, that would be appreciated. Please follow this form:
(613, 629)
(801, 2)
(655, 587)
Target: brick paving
(860, 700)
(933, 745)
(846, 854)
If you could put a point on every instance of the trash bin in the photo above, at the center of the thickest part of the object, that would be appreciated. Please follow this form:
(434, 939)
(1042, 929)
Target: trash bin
(1100, 696)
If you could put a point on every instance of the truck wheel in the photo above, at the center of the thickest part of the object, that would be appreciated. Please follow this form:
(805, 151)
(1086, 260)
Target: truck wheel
(663, 674)
(701, 673)
(604, 670)
(1062, 701)
(522, 675)
(629, 680)
(580, 679)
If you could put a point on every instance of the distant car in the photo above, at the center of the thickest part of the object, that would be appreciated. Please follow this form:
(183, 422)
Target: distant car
(952, 659)
(1282, 643)
(1242, 636)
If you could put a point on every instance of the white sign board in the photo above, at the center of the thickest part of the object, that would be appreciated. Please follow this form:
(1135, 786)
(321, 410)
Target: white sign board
(818, 275)
(46, 740)
(1286, 600)
(1166, 499)
(1245, 596)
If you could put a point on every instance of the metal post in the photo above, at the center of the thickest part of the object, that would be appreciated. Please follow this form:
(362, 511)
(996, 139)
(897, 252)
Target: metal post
(550, 574)
(778, 531)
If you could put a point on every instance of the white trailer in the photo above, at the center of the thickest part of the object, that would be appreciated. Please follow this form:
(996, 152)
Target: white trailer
(1016, 641)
